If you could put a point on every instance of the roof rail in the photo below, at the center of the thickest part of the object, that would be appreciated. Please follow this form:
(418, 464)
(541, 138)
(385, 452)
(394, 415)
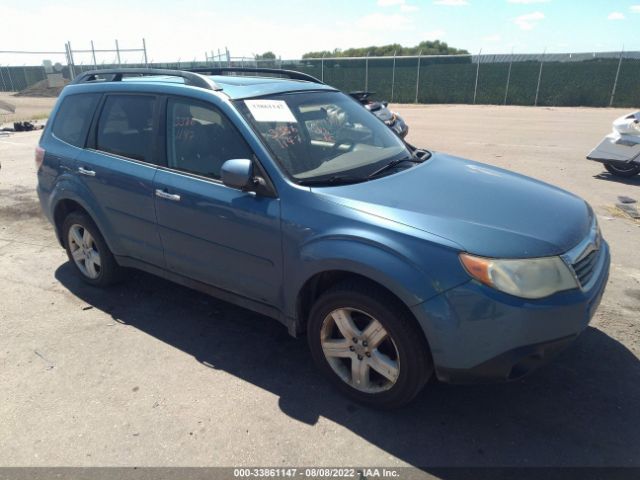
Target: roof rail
(292, 74)
(116, 74)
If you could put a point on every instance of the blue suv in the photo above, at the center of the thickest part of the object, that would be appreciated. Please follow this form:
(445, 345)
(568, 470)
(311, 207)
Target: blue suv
(281, 194)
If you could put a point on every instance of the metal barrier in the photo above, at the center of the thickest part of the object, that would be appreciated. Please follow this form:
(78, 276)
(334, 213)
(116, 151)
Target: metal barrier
(572, 79)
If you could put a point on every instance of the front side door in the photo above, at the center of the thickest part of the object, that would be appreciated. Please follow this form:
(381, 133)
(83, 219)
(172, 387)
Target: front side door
(212, 233)
(117, 167)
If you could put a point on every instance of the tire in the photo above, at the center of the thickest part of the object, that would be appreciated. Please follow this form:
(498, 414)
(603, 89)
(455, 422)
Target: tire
(626, 172)
(403, 353)
(105, 270)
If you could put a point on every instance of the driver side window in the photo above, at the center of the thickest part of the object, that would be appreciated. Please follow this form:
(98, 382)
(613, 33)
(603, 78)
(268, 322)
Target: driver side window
(200, 138)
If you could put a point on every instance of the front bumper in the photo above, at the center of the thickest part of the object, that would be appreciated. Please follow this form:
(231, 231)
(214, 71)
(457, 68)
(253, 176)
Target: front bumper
(478, 334)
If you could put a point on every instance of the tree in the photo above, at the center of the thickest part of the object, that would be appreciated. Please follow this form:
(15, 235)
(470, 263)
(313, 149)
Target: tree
(266, 56)
(427, 47)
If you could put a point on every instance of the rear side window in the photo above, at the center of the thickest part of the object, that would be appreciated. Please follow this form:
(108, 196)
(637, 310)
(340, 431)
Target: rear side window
(125, 126)
(74, 118)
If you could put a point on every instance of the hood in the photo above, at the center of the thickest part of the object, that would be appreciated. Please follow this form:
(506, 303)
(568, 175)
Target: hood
(487, 210)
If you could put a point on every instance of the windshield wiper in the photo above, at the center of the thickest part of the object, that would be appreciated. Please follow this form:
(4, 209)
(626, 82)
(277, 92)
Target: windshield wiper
(332, 180)
(392, 164)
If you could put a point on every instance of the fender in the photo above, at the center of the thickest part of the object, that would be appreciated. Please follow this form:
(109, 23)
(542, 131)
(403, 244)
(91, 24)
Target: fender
(69, 188)
(375, 260)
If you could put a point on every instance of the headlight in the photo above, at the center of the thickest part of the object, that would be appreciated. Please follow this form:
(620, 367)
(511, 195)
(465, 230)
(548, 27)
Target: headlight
(525, 278)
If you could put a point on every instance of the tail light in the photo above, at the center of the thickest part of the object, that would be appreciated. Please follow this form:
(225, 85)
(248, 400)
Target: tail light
(39, 157)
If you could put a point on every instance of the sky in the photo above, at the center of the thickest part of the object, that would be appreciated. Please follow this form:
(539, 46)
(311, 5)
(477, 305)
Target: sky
(185, 30)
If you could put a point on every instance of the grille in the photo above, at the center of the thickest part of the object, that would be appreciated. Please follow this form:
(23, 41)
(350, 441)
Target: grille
(585, 268)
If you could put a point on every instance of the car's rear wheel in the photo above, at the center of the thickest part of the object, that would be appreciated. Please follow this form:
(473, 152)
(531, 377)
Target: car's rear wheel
(627, 171)
(88, 252)
(368, 345)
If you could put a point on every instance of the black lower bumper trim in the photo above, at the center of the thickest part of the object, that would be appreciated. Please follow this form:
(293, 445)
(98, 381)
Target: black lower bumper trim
(510, 365)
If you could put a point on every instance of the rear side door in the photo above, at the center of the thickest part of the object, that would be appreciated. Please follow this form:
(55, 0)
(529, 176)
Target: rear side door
(212, 233)
(118, 168)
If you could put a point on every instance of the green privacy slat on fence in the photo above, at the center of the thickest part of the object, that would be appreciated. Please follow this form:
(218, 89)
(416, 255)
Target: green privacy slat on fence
(578, 84)
(19, 78)
(628, 91)
(522, 85)
(567, 80)
(492, 82)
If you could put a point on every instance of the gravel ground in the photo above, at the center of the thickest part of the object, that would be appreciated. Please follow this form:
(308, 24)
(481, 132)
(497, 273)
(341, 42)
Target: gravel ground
(150, 373)
(27, 108)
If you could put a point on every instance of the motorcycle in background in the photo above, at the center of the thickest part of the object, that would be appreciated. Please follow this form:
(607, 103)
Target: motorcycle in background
(620, 150)
(381, 110)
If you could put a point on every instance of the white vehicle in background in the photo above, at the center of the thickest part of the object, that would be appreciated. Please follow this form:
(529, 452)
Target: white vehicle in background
(620, 150)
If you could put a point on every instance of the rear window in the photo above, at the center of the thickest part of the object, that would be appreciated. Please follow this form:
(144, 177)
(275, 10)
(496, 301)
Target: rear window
(74, 117)
(125, 126)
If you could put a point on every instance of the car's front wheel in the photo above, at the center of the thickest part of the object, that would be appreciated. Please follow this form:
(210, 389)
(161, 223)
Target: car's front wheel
(368, 345)
(88, 252)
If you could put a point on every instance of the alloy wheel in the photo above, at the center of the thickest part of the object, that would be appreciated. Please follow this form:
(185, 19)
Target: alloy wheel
(360, 350)
(84, 251)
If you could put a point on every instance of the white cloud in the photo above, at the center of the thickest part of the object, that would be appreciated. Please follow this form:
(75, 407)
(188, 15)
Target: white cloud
(528, 21)
(527, 2)
(191, 32)
(404, 6)
(492, 38)
(452, 3)
(616, 16)
(635, 8)
(373, 21)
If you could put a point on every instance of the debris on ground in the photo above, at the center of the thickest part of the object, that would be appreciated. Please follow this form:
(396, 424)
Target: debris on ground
(26, 126)
(625, 199)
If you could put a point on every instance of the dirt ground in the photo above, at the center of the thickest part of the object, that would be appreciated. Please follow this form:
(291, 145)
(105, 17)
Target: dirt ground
(27, 108)
(150, 373)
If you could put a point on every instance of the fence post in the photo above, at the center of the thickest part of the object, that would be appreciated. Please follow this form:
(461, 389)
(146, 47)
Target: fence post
(506, 91)
(418, 76)
(615, 82)
(117, 52)
(144, 48)
(535, 103)
(366, 73)
(322, 68)
(393, 75)
(93, 54)
(228, 56)
(475, 89)
(72, 67)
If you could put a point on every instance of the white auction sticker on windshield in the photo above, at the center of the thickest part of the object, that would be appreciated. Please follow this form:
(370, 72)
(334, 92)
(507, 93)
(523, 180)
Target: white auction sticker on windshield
(270, 111)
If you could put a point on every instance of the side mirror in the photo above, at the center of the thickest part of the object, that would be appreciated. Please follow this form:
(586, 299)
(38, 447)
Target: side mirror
(237, 173)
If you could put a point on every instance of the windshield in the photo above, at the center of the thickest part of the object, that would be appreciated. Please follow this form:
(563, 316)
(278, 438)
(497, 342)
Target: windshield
(322, 135)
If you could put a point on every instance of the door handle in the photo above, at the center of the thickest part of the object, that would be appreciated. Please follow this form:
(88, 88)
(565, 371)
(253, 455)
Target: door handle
(168, 196)
(88, 173)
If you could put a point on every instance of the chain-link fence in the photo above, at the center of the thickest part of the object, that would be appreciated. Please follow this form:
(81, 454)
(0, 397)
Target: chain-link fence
(597, 80)
(14, 79)
(594, 79)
